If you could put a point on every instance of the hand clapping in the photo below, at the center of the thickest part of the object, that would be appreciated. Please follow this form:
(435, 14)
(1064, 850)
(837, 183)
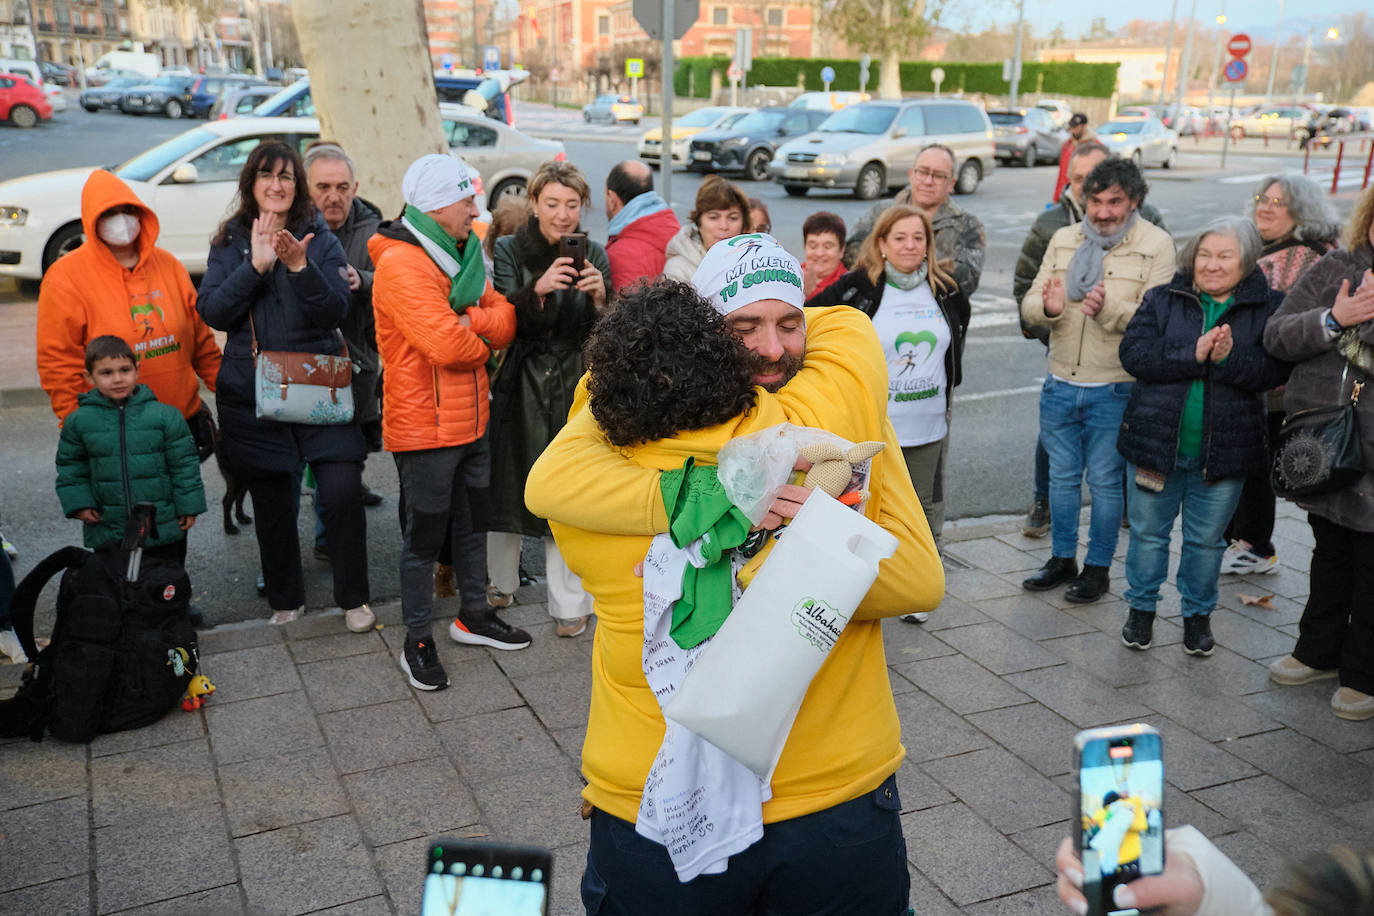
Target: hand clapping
(1216, 344)
(289, 250)
(1351, 309)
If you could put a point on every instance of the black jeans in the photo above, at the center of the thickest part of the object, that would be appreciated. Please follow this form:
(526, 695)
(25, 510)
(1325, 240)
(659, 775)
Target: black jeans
(1253, 520)
(848, 860)
(445, 496)
(1337, 626)
(276, 505)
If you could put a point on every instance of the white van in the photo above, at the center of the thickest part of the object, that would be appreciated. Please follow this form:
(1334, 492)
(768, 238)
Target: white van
(30, 70)
(149, 65)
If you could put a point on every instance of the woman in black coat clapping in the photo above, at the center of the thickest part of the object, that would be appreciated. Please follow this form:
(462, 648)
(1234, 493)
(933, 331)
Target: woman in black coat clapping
(276, 271)
(1195, 426)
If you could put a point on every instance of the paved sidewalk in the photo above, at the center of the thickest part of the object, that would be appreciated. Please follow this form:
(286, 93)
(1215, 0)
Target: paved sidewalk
(314, 777)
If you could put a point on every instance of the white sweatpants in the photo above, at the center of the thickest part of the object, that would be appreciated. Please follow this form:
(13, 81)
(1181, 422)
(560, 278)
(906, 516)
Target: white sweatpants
(567, 598)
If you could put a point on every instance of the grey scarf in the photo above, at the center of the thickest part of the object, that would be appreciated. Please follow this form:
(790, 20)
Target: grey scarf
(905, 281)
(1085, 267)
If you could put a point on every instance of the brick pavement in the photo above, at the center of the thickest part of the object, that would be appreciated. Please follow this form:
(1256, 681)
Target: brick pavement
(314, 777)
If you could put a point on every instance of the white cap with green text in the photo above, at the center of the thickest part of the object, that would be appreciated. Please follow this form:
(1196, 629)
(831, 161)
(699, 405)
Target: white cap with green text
(747, 269)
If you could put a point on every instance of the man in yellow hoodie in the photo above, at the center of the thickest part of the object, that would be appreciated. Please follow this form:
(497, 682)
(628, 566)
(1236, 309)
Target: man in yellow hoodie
(832, 839)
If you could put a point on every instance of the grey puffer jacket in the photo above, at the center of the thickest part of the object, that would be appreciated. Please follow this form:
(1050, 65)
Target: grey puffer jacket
(1296, 333)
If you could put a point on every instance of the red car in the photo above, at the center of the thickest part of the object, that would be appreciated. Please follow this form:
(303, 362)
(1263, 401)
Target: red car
(22, 103)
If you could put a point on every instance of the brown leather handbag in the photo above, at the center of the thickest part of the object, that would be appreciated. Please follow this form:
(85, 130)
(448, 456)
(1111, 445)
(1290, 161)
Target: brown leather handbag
(297, 387)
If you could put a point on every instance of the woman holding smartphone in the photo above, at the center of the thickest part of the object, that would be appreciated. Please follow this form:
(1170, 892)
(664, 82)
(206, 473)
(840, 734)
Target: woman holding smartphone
(557, 280)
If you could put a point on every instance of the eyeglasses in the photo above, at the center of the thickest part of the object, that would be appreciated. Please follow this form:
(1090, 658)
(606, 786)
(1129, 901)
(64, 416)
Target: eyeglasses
(282, 177)
(1261, 200)
(924, 174)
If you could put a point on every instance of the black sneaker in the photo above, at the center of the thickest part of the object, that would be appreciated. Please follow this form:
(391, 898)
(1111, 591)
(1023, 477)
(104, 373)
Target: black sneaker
(487, 630)
(1037, 520)
(526, 580)
(1138, 633)
(322, 551)
(420, 662)
(1197, 635)
(371, 497)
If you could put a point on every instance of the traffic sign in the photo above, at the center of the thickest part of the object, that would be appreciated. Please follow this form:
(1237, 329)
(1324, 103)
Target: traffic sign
(555, 75)
(1236, 70)
(491, 57)
(649, 15)
(1239, 45)
(827, 74)
(447, 61)
(634, 67)
(734, 74)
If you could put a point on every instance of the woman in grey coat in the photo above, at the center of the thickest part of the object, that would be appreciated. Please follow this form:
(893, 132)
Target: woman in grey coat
(1326, 329)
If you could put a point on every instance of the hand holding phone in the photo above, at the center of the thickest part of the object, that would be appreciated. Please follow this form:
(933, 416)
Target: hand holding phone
(574, 246)
(1119, 815)
(472, 877)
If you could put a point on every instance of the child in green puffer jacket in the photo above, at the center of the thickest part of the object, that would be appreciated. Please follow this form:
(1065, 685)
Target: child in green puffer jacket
(122, 447)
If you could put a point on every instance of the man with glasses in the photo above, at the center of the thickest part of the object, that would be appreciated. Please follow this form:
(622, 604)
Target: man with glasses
(959, 236)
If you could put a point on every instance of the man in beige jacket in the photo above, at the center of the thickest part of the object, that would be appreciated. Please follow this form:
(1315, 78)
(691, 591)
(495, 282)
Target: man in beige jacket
(1088, 288)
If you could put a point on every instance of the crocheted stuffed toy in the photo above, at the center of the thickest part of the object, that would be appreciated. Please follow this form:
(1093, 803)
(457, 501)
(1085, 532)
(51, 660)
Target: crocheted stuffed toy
(832, 467)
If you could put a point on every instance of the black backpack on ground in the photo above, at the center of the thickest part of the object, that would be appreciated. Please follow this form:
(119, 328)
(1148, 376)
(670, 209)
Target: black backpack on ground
(122, 650)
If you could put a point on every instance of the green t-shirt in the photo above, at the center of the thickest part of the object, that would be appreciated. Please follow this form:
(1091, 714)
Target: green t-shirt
(1190, 429)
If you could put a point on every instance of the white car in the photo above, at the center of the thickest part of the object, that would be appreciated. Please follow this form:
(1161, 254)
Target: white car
(1145, 141)
(189, 181)
(502, 155)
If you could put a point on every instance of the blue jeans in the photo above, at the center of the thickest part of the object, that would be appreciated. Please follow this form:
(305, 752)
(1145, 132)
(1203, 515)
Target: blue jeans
(1078, 427)
(847, 860)
(1207, 509)
(1042, 471)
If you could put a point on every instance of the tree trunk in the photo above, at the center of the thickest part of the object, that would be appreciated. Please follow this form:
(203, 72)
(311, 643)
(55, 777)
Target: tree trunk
(373, 87)
(890, 74)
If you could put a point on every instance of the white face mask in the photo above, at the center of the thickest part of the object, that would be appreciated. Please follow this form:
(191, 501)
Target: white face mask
(119, 228)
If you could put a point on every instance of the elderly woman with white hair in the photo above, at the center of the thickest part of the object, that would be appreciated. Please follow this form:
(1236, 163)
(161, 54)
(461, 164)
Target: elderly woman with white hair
(1297, 228)
(1194, 427)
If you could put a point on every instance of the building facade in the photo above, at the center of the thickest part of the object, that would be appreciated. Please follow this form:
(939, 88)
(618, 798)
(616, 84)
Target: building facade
(1142, 69)
(16, 30)
(77, 32)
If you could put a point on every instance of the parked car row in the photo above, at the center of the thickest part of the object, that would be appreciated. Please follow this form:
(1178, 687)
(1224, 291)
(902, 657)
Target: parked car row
(32, 71)
(22, 104)
(866, 146)
(190, 181)
(175, 95)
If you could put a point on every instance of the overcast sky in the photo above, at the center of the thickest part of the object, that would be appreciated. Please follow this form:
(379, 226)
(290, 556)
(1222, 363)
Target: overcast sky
(1258, 17)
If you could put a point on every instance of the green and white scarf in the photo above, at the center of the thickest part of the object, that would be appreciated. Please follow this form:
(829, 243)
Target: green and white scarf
(466, 272)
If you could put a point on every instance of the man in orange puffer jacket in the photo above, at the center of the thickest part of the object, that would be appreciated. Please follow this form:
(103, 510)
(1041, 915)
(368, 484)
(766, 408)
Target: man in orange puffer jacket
(438, 322)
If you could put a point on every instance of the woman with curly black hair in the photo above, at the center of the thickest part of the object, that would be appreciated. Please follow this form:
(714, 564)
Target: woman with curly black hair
(664, 361)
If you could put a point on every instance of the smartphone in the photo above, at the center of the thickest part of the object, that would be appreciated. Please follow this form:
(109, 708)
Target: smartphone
(475, 878)
(574, 246)
(1120, 809)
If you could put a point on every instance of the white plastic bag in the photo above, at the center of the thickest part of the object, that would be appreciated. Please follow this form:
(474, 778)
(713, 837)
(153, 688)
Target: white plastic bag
(753, 468)
(743, 692)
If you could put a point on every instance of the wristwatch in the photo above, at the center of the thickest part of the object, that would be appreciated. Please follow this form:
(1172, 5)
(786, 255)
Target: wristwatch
(1332, 325)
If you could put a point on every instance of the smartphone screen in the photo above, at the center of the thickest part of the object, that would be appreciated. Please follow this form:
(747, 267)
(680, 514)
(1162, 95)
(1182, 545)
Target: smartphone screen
(471, 878)
(1120, 809)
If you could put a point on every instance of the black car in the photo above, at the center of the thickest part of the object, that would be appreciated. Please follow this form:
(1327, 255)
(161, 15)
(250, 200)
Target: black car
(748, 145)
(110, 94)
(57, 73)
(165, 95)
(294, 101)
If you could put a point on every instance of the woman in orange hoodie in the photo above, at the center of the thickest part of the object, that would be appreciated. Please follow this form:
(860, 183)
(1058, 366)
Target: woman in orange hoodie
(119, 282)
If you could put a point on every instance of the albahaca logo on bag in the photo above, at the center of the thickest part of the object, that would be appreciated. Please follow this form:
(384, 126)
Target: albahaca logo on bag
(818, 623)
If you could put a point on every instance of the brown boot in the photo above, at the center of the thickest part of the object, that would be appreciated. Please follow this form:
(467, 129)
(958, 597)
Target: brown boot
(443, 581)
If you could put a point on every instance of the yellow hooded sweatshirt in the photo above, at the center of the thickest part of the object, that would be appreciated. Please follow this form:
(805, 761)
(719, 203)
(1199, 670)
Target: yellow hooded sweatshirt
(604, 510)
(152, 305)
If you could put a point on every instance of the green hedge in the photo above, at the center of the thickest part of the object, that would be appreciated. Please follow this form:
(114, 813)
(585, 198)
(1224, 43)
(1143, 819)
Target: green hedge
(1059, 78)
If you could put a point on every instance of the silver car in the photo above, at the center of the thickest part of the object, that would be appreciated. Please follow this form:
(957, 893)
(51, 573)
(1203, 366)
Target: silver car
(869, 147)
(1145, 141)
(502, 155)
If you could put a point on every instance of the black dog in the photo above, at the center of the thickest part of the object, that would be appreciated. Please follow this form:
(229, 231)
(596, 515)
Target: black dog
(207, 437)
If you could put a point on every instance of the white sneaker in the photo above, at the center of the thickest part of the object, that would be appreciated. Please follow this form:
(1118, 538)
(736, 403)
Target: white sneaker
(360, 619)
(1239, 560)
(9, 645)
(916, 617)
(282, 618)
